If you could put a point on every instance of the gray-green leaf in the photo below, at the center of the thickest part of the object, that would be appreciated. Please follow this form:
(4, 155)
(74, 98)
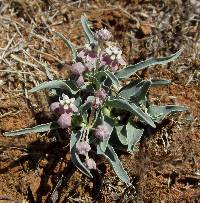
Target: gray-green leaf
(69, 45)
(132, 69)
(88, 32)
(36, 129)
(55, 84)
(115, 162)
(123, 104)
(111, 76)
(157, 82)
(158, 113)
(129, 135)
(133, 136)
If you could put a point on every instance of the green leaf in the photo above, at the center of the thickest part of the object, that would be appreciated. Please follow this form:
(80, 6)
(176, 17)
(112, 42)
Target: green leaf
(123, 104)
(158, 113)
(69, 45)
(157, 82)
(55, 84)
(115, 162)
(111, 76)
(88, 32)
(132, 69)
(36, 129)
(75, 157)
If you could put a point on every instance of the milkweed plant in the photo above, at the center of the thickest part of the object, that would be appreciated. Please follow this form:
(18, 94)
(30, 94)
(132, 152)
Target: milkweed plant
(95, 105)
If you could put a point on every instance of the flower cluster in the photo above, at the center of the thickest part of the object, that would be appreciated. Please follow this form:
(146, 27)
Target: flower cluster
(65, 109)
(89, 58)
(83, 148)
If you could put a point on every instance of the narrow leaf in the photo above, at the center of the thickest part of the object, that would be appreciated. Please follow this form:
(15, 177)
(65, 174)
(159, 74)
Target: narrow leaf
(115, 162)
(75, 157)
(55, 84)
(132, 69)
(36, 129)
(88, 32)
(48, 73)
(69, 45)
(157, 82)
(141, 94)
(123, 104)
(158, 113)
(111, 76)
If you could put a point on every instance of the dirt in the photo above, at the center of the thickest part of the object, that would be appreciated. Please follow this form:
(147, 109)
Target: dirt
(166, 167)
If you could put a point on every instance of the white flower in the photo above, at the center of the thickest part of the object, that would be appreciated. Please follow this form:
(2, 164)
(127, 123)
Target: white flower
(114, 52)
(68, 103)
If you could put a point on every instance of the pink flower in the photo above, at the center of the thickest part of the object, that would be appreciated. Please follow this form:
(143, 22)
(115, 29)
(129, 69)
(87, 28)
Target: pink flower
(112, 57)
(105, 59)
(88, 57)
(90, 164)
(77, 68)
(103, 34)
(57, 108)
(83, 148)
(102, 132)
(64, 120)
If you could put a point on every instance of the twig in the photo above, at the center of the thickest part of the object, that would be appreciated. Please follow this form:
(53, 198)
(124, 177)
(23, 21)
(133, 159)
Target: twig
(41, 52)
(8, 113)
(21, 61)
(6, 48)
(15, 71)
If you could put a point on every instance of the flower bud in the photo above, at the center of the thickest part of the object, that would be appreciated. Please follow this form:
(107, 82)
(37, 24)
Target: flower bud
(103, 34)
(54, 107)
(77, 68)
(90, 164)
(80, 81)
(97, 102)
(65, 120)
(83, 148)
(102, 132)
(101, 94)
